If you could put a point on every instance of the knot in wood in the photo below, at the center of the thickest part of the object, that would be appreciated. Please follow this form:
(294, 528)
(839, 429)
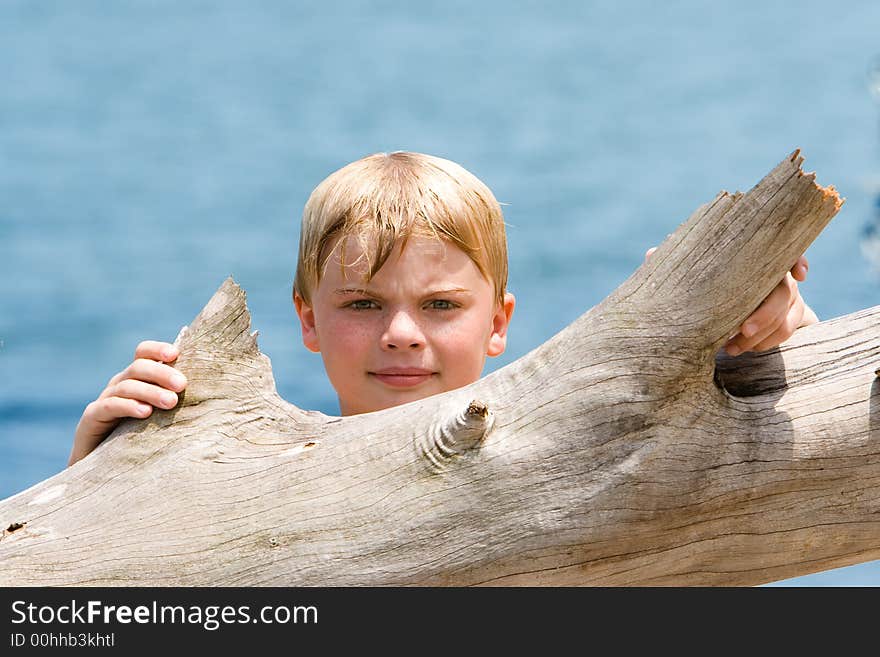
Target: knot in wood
(477, 408)
(452, 437)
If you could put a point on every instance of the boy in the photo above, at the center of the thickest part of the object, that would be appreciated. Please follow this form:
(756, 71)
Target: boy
(401, 286)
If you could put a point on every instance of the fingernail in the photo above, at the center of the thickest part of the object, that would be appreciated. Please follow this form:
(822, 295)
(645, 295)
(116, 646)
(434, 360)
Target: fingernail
(178, 380)
(169, 399)
(733, 350)
(168, 353)
(749, 329)
(143, 410)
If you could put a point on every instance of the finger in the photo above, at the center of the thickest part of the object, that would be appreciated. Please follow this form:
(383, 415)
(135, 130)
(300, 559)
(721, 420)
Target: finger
(775, 304)
(800, 269)
(146, 393)
(750, 342)
(144, 369)
(155, 350)
(778, 301)
(649, 252)
(740, 343)
(165, 352)
(732, 346)
(775, 333)
(764, 321)
(785, 330)
(112, 409)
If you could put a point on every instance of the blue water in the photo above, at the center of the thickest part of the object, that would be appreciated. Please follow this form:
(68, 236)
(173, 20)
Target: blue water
(150, 149)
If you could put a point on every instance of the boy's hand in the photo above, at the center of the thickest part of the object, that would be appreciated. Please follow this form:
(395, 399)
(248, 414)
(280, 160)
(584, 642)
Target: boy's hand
(146, 383)
(777, 318)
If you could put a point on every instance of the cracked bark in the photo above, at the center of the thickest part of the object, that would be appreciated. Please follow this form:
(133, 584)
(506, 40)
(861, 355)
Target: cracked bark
(623, 451)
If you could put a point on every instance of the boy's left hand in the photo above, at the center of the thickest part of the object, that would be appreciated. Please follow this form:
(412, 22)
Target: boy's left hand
(781, 313)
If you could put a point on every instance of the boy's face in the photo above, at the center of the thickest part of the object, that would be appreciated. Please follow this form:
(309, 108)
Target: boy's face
(422, 325)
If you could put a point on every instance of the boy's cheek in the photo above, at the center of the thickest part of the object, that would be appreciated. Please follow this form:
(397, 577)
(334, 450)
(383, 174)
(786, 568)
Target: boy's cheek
(345, 342)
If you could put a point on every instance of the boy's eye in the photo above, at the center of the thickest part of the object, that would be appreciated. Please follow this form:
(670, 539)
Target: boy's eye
(363, 304)
(441, 304)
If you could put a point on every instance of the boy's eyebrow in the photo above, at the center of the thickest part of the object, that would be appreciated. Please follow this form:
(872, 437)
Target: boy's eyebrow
(452, 289)
(350, 290)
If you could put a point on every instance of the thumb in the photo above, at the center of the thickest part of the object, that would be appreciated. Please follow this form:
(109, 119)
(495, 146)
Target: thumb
(799, 271)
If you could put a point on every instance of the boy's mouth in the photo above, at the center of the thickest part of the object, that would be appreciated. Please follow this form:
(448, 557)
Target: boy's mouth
(402, 377)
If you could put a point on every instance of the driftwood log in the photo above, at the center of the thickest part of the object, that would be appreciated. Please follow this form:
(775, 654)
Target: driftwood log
(623, 451)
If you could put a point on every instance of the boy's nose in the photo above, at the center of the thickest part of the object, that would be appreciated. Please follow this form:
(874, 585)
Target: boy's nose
(402, 333)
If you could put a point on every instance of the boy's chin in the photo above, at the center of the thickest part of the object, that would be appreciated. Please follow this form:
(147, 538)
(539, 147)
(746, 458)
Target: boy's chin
(389, 398)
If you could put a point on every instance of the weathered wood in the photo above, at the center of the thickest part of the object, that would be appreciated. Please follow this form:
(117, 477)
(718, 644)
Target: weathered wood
(613, 454)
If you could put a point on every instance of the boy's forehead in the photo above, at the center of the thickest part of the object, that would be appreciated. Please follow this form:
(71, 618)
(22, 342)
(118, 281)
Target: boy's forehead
(350, 255)
(423, 257)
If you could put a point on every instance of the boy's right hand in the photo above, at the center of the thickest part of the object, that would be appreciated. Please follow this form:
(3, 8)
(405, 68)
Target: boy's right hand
(133, 392)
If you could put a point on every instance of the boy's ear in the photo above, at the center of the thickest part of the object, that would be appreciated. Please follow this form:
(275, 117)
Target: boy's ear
(500, 321)
(307, 322)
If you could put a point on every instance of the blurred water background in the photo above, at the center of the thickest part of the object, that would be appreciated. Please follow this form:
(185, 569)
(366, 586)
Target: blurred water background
(150, 149)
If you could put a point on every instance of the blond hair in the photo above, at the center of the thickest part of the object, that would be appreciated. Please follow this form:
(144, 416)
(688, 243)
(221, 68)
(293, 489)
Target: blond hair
(386, 197)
